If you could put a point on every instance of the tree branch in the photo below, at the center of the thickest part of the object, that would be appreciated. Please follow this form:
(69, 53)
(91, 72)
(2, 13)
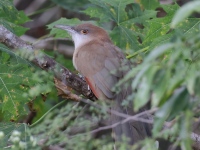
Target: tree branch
(46, 63)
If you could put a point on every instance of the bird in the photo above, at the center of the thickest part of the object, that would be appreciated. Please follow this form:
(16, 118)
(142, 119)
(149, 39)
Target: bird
(102, 65)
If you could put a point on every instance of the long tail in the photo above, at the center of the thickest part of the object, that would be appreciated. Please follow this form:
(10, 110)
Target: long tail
(134, 131)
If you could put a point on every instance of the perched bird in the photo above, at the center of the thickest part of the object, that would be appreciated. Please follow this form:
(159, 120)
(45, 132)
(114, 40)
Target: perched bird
(102, 63)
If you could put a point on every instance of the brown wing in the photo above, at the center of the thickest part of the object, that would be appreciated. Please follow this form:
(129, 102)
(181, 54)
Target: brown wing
(96, 62)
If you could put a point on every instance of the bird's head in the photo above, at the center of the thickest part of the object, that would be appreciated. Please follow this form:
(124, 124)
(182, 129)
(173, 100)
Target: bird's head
(84, 33)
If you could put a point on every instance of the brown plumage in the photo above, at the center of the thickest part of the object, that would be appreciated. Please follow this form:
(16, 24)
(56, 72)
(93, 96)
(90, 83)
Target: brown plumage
(96, 58)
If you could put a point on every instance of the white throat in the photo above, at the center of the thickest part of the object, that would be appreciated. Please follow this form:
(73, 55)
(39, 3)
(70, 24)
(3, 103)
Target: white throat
(80, 40)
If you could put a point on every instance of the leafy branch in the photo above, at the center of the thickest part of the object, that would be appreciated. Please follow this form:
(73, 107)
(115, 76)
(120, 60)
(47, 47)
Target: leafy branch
(45, 62)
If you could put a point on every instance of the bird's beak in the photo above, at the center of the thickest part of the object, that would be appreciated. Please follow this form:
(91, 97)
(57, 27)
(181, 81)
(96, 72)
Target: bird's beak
(69, 29)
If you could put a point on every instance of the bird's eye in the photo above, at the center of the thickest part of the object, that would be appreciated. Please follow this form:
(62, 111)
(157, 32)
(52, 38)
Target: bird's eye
(84, 31)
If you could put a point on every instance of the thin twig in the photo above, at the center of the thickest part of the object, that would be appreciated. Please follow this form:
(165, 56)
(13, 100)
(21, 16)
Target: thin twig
(137, 117)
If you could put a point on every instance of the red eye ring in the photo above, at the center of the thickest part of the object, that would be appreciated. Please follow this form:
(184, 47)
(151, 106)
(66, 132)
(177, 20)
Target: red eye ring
(84, 31)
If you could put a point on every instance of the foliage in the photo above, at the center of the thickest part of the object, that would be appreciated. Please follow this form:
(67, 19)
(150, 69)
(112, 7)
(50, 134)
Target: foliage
(185, 12)
(18, 84)
(13, 133)
(165, 49)
(126, 32)
(60, 33)
(11, 18)
(74, 5)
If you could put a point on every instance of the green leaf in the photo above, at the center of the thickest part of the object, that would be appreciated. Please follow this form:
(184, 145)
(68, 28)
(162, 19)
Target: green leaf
(193, 80)
(4, 57)
(126, 33)
(158, 52)
(14, 80)
(140, 18)
(161, 85)
(159, 31)
(185, 131)
(139, 75)
(96, 12)
(144, 88)
(11, 18)
(159, 27)
(115, 9)
(149, 4)
(125, 38)
(174, 105)
(75, 5)
(184, 12)
(158, 125)
(177, 103)
(12, 58)
(188, 28)
(58, 32)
